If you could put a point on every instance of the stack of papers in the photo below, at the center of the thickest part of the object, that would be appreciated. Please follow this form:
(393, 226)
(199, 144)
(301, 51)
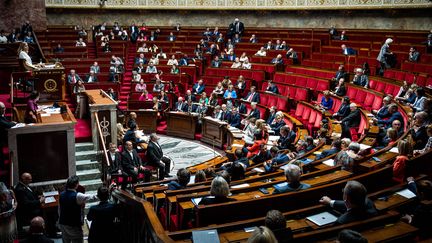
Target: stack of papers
(406, 193)
(329, 162)
(240, 186)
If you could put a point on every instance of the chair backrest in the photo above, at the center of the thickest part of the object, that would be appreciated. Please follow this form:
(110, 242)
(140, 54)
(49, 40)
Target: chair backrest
(17, 115)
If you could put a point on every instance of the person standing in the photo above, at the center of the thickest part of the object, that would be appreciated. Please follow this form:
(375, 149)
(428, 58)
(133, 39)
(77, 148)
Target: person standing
(71, 204)
(156, 158)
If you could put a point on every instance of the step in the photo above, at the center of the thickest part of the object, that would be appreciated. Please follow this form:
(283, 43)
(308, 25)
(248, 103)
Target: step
(86, 155)
(87, 164)
(90, 174)
(83, 147)
(91, 185)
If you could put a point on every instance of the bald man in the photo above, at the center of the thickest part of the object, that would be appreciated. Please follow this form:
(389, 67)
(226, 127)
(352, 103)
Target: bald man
(37, 228)
(29, 203)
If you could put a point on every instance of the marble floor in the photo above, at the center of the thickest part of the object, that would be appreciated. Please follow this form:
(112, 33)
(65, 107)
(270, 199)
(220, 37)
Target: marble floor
(185, 152)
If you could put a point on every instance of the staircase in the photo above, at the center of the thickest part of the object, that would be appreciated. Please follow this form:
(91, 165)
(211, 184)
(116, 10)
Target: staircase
(88, 168)
(125, 86)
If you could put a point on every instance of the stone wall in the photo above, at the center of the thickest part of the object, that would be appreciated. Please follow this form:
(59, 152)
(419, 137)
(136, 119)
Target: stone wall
(420, 19)
(15, 12)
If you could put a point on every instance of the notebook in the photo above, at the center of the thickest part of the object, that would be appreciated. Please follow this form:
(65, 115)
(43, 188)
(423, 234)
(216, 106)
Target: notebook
(205, 236)
(323, 218)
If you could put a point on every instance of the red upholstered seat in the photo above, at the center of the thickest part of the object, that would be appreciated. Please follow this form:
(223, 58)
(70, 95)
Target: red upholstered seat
(306, 114)
(299, 110)
(282, 104)
(421, 80)
(322, 85)
(361, 96)
(311, 83)
(389, 73)
(301, 81)
(264, 99)
(368, 102)
(272, 101)
(389, 89)
(372, 84)
(312, 117)
(351, 92)
(399, 75)
(377, 103)
(301, 95)
(380, 86)
(336, 104)
(428, 81)
(279, 78)
(292, 92)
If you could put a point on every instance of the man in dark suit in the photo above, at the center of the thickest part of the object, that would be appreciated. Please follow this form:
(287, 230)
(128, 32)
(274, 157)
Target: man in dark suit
(156, 158)
(216, 62)
(181, 105)
(350, 121)
(355, 206)
(235, 118)
(292, 174)
(235, 27)
(336, 147)
(91, 77)
(190, 96)
(341, 73)
(4, 126)
(134, 31)
(199, 87)
(226, 114)
(418, 131)
(348, 51)
(272, 115)
(252, 96)
(272, 88)
(29, 203)
(115, 169)
(132, 164)
(37, 227)
(73, 78)
(344, 109)
(287, 137)
(269, 46)
(254, 111)
(394, 115)
(217, 113)
(102, 216)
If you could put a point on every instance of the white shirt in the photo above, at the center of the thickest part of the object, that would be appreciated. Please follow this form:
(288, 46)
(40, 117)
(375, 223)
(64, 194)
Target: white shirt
(26, 57)
(172, 62)
(131, 154)
(3, 39)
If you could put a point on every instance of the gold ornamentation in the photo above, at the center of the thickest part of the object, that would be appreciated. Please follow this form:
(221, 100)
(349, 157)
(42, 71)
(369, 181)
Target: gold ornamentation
(50, 85)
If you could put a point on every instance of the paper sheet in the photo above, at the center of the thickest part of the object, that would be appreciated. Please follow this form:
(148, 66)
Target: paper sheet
(259, 170)
(49, 200)
(329, 162)
(50, 194)
(394, 150)
(364, 146)
(240, 186)
(406, 193)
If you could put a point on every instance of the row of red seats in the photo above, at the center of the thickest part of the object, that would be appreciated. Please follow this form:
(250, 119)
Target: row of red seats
(248, 74)
(309, 116)
(315, 84)
(368, 99)
(295, 92)
(419, 79)
(417, 67)
(324, 74)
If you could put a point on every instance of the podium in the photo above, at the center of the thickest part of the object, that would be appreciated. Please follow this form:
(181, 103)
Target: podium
(213, 131)
(46, 149)
(50, 82)
(181, 124)
(146, 120)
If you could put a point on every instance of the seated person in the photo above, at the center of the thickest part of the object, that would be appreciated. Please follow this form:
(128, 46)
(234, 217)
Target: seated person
(292, 173)
(347, 157)
(254, 148)
(246, 65)
(249, 129)
(340, 89)
(219, 191)
(344, 109)
(58, 49)
(172, 61)
(158, 86)
(271, 87)
(132, 135)
(428, 145)
(335, 148)
(261, 52)
(234, 118)
(352, 120)
(350, 236)
(91, 77)
(145, 95)
(230, 93)
(151, 68)
(300, 150)
(393, 114)
(115, 168)
(277, 124)
(276, 222)
(382, 113)
(216, 62)
(326, 101)
(254, 112)
(287, 137)
(413, 55)
(418, 130)
(240, 159)
(171, 37)
(183, 178)
(360, 79)
(347, 51)
(279, 158)
(80, 43)
(252, 96)
(132, 164)
(181, 105)
(272, 115)
(198, 87)
(291, 54)
(263, 155)
(236, 64)
(141, 86)
(310, 143)
(356, 206)
(219, 90)
(277, 60)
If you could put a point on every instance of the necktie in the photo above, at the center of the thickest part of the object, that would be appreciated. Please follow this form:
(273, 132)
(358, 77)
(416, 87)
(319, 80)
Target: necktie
(237, 27)
(73, 79)
(250, 97)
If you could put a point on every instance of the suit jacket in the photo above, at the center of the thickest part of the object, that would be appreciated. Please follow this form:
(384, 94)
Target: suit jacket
(385, 50)
(274, 89)
(255, 98)
(340, 74)
(77, 77)
(277, 126)
(216, 63)
(354, 214)
(37, 239)
(343, 111)
(115, 164)
(326, 153)
(129, 163)
(154, 153)
(361, 80)
(235, 120)
(93, 79)
(28, 204)
(341, 91)
(420, 137)
(290, 187)
(349, 51)
(198, 90)
(388, 122)
(285, 142)
(271, 118)
(95, 69)
(183, 107)
(233, 28)
(4, 126)
(103, 228)
(353, 119)
(255, 113)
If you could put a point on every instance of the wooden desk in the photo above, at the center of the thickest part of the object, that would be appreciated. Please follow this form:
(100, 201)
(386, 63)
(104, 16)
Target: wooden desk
(105, 108)
(46, 149)
(213, 131)
(181, 124)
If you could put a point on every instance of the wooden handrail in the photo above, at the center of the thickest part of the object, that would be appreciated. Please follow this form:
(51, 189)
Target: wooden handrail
(39, 47)
(101, 138)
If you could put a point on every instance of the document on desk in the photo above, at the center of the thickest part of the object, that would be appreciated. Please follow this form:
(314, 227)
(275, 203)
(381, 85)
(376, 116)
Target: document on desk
(196, 200)
(49, 200)
(406, 194)
(329, 162)
(364, 146)
(50, 194)
(394, 150)
(45, 114)
(205, 236)
(323, 218)
(240, 186)
(259, 170)
(19, 125)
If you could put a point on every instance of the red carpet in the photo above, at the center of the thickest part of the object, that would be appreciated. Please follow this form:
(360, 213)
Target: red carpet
(83, 131)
